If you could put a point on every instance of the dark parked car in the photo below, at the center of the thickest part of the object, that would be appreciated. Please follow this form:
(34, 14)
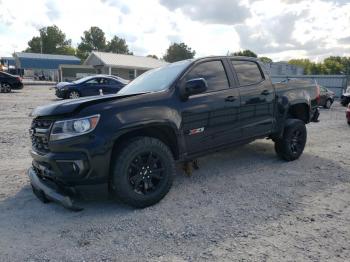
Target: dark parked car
(184, 110)
(326, 97)
(9, 82)
(345, 98)
(90, 86)
(348, 114)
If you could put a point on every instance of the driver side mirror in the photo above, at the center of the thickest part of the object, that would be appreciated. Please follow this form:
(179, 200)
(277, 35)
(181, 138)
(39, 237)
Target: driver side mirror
(194, 86)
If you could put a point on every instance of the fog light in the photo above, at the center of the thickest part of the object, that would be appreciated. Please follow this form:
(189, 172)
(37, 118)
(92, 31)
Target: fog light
(71, 167)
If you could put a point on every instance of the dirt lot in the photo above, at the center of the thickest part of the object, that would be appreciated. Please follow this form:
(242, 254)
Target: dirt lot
(242, 205)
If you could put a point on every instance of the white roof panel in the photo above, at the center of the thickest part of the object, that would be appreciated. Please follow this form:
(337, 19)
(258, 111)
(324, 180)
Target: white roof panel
(126, 61)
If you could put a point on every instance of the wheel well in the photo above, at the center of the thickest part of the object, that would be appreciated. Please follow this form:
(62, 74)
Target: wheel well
(299, 111)
(164, 133)
(6, 83)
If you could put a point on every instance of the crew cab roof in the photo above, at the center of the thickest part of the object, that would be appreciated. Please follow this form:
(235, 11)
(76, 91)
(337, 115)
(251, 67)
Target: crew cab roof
(228, 57)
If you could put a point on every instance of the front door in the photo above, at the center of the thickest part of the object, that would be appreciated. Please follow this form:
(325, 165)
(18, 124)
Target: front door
(210, 119)
(257, 98)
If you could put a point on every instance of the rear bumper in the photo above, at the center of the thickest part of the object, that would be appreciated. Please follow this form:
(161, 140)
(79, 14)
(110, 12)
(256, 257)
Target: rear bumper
(17, 85)
(51, 192)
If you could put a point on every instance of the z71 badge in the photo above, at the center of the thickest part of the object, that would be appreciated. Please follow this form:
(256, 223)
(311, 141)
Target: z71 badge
(196, 131)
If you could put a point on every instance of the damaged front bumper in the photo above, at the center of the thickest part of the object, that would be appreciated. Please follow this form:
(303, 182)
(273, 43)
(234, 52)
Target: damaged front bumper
(46, 191)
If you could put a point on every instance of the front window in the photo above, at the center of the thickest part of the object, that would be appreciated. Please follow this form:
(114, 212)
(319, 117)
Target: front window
(155, 80)
(213, 72)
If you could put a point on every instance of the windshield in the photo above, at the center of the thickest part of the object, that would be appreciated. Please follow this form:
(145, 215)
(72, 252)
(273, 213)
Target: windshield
(155, 80)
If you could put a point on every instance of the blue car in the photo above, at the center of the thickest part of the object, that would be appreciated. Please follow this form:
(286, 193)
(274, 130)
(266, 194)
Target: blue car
(90, 86)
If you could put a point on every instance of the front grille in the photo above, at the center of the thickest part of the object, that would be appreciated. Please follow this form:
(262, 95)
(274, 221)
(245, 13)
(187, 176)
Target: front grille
(40, 132)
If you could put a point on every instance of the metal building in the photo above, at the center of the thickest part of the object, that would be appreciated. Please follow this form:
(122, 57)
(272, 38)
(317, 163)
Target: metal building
(38, 65)
(69, 73)
(125, 66)
(283, 68)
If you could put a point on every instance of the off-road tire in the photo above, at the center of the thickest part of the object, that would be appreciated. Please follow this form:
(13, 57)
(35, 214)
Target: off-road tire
(122, 161)
(292, 144)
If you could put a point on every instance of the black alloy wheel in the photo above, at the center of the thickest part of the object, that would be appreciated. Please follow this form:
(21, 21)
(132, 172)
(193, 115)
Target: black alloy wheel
(296, 142)
(146, 172)
(291, 145)
(143, 171)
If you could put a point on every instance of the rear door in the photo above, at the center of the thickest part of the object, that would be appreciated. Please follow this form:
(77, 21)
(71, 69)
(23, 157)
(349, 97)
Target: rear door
(110, 86)
(91, 87)
(257, 98)
(210, 119)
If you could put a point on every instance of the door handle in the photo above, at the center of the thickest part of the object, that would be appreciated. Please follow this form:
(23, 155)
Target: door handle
(230, 98)
(265, 92)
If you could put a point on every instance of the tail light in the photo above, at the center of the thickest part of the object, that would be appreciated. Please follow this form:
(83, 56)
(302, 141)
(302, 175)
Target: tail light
(318, 94)
(19, 79)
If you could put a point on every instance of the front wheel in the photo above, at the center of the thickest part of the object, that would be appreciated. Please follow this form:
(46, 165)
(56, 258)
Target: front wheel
(73, 94)
(292, 144)
(143, 172)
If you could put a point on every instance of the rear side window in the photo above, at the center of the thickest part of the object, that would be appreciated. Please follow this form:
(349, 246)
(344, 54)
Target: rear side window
(213, 72)
(112, 82)
(94, 81)
(248, 72)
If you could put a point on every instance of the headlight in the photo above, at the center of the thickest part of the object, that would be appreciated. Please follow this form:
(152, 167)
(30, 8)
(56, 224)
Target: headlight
(73, 127)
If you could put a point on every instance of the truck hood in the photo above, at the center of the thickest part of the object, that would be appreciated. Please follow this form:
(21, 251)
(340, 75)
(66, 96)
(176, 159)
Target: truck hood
(70, 106)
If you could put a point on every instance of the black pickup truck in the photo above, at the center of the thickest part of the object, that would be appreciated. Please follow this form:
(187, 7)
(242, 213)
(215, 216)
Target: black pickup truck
(184, 110)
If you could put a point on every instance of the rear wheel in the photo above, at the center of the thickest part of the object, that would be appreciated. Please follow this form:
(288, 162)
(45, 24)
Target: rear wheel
(344, 102)
(5, 88)
(143, 172)
(73, 94)
(292, 144)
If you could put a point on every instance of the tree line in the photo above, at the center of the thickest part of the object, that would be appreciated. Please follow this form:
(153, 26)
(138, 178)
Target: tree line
(53, 41)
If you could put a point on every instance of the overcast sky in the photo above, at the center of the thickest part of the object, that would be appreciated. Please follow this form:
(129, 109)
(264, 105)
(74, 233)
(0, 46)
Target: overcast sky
(280, 29)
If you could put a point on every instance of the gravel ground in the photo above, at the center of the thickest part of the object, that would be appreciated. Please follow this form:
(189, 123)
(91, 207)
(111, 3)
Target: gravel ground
(241, 205)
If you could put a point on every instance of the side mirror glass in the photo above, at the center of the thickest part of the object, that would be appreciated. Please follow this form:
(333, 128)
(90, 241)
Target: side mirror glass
(195, 86)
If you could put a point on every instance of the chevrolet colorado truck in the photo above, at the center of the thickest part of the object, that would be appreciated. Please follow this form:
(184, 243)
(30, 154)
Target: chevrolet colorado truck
(175, 113)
